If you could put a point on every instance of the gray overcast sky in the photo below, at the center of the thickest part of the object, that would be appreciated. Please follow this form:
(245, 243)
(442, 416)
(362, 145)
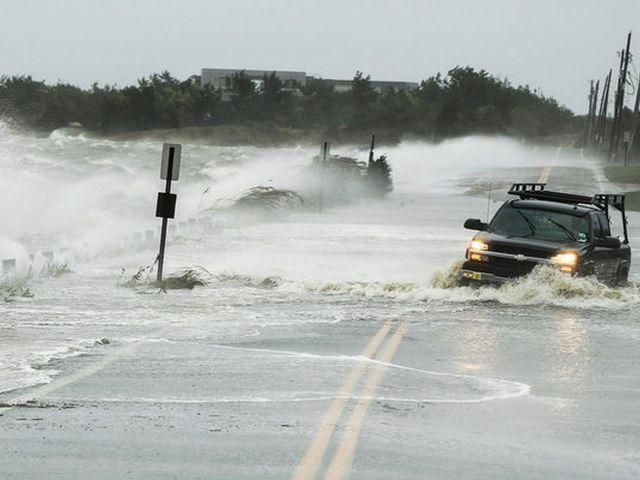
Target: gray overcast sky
(556, 46)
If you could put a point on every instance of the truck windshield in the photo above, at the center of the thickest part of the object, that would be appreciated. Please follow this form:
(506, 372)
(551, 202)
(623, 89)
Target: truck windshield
(540, 224)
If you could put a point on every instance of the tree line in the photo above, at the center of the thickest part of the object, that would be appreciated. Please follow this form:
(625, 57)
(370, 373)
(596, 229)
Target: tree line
(464, 101)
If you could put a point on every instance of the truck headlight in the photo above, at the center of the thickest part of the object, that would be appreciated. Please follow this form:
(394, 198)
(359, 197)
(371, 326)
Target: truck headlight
(478, 246)
(567, 261)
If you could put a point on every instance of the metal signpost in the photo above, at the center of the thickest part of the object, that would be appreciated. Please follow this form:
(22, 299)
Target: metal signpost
(166, 205)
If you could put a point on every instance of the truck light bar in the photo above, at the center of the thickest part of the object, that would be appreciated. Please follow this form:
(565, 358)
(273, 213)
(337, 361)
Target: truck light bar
(518, 188)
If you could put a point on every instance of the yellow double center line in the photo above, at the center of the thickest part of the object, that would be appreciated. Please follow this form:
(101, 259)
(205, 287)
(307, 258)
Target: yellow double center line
(340, 466)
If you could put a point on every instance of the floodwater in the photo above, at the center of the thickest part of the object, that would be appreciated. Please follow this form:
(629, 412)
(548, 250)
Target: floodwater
(538, 379)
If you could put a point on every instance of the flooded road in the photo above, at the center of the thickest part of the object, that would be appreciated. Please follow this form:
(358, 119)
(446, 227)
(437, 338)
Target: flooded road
(326, 344)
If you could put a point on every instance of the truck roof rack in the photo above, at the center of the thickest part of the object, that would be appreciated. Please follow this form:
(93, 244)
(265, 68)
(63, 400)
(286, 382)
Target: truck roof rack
(609, 200)
(537, 191)
(602, 201)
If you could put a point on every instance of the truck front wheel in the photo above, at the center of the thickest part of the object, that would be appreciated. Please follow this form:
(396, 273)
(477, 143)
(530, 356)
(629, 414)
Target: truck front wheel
(622, 276)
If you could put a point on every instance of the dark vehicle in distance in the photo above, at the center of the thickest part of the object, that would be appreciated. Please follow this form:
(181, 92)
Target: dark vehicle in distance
(541, 227)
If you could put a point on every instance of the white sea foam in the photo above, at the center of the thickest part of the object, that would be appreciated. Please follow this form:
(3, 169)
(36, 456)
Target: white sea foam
(544, 286)
(477, 388)
(21, 366)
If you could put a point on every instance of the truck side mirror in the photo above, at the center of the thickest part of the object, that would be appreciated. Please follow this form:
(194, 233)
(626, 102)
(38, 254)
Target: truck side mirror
(475, 224)
(607, 242)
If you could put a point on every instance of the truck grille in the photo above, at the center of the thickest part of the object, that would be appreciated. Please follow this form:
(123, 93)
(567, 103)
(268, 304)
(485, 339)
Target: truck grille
(503, 267)
(527, 251)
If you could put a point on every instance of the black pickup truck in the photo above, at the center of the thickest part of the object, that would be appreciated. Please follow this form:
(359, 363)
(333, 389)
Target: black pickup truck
(541, 227)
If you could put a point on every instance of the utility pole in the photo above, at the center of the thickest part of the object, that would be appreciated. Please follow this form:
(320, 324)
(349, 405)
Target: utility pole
(591, 115)
(622, 82)
(166, 204)
(602, 121)
(634, 121)
(616, 99)
(587, 126)
(592, 131)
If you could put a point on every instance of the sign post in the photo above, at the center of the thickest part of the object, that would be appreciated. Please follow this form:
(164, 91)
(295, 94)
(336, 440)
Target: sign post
(166, 204)
(325, 156)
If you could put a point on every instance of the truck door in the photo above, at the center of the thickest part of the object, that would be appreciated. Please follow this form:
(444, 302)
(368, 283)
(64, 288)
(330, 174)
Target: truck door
(605, 259)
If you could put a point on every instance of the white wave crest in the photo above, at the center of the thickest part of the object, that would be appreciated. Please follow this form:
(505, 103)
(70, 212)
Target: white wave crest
(544, 286)
(25, 369)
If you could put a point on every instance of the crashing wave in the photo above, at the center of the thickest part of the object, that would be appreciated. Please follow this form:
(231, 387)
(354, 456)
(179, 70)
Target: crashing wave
(185, 278)
(543, 286)
(448, 278)
(269, 198)
(343, 179)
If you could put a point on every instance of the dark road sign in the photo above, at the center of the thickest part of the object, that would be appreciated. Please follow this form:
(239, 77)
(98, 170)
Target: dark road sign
(166, 206)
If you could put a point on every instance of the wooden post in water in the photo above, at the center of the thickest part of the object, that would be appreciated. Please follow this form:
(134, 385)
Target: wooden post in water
(325, 156)
(373, 144)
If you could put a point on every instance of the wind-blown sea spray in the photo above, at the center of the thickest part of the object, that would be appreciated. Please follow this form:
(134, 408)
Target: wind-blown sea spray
(69, 190)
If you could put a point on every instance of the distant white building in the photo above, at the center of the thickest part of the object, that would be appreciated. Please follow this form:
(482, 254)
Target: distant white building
(221, 77)
(291, 80)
